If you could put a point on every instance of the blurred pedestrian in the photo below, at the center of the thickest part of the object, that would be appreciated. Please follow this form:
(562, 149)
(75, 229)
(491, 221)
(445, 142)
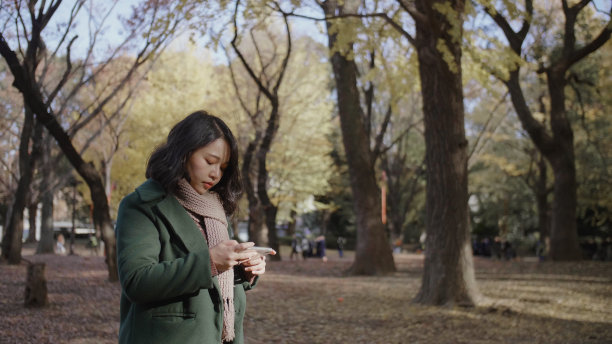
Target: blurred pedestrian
(306, 248)
(397, 245)
(320, 245)
(296, 247)
(341, 241)
(59, 245)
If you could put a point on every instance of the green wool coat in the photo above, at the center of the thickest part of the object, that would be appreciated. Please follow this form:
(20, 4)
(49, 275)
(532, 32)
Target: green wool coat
(168, 292)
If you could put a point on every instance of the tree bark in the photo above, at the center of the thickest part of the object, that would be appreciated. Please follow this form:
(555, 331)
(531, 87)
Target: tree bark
(46, 243)
(564, 235)
(32, 214)
(36, 286)
(373, 255)
(448, 277)
(270, 209)
(13, 233)
(541, 193)
(255, 226)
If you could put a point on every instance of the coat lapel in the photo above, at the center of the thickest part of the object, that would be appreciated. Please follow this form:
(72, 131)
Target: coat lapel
(178, 220)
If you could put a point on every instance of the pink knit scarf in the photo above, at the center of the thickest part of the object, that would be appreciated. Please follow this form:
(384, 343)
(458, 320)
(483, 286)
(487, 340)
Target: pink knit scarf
(207, 212)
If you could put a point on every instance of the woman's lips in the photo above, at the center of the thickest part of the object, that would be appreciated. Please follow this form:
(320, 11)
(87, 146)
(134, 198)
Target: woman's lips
(208, 185)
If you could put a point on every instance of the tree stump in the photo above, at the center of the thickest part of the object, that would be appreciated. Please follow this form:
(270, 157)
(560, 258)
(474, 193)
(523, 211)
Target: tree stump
(36, 286)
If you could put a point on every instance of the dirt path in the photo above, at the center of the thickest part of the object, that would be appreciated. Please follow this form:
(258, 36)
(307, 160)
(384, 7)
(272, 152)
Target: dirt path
(313, 302)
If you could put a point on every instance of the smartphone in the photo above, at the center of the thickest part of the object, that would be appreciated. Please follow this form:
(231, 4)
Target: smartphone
(263, 250)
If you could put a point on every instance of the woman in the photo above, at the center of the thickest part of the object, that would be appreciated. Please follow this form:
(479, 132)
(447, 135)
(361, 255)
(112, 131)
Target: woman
(183, 280)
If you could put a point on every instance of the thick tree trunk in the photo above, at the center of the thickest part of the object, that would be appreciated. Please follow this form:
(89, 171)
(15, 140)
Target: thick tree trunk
(46, 243)
(373, 255)
(448, 277)
(564, 232)
(541, 193)
(558, 149)
(564, 235)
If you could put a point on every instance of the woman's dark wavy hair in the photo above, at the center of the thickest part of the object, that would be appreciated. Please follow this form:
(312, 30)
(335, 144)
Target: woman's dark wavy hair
(167, 164)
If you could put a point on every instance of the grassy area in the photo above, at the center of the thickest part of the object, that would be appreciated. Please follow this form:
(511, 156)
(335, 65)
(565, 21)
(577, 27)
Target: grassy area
(314, 302)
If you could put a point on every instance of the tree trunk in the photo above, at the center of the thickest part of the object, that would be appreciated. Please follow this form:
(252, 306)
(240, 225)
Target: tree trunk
(32, 214)
(256, 230)
(36, 286)
(270, 209)
(448, 277)
(13, 233)
(558, 149)
(46, 243)
(564, 234)
(104, 225)
(293, 223)
(255, 226)
(541, 193)
(373, 255)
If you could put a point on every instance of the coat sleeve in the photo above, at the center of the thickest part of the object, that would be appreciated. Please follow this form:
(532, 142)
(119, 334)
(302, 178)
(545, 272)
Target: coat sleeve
(144, 278)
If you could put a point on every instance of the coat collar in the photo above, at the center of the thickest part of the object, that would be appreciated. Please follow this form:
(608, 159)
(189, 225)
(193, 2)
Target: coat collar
(150, 191)
(173, 215)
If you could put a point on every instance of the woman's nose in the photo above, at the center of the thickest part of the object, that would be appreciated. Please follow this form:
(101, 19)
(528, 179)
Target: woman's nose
(215, 173)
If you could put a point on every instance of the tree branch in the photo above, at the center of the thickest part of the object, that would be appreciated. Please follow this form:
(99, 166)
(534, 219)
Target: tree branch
(515, 39)
(64, 78)
(381, 134)
(595, 44)
(246, 65)
(479, 137)
(382, 15)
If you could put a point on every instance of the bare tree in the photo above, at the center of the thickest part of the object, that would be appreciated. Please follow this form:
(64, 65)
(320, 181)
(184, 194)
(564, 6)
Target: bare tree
(268, 83)
(41, 98)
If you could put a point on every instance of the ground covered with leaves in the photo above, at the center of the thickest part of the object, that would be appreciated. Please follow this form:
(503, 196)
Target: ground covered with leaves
(315, 302)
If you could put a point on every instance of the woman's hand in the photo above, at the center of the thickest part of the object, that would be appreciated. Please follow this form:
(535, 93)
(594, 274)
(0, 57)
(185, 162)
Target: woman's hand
(255, 267)
(229, 253)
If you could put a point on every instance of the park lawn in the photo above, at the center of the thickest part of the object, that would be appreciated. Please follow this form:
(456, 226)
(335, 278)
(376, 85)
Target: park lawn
(314, 302)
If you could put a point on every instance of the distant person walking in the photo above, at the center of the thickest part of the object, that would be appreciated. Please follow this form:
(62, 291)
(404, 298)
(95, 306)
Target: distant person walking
(320, 245)
(306, 248)
(341, 241)
(59, 246)
(296, 247)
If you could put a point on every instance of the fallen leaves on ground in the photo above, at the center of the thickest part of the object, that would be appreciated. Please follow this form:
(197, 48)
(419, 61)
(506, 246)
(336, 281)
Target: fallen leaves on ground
(316, 302)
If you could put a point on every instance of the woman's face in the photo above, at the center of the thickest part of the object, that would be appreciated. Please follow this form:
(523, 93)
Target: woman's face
(206, 165)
